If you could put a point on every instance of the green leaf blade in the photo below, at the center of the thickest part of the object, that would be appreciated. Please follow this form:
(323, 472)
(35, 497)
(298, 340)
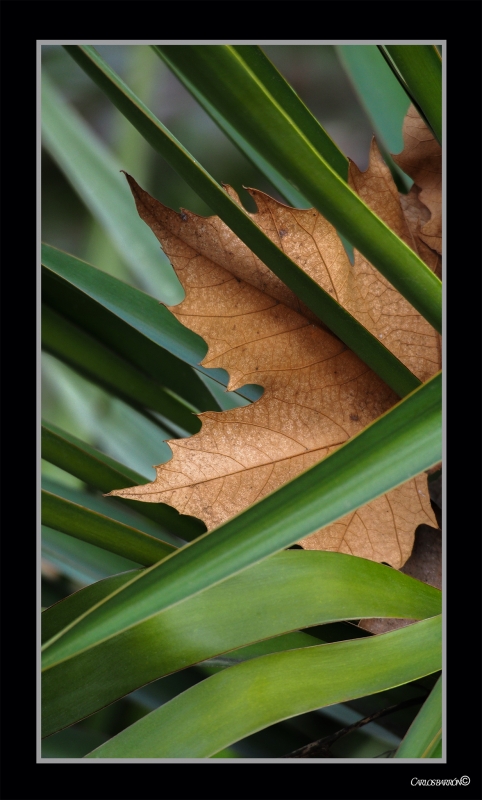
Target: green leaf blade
(129, 321)
(106, 369)
(135, 325)
(105, 474)
(384, 100)
(239, 701)
(420, 67)
(398, 446)
(294, 589)
(423, 738)
(96, 177)
(102, 531)
(253, 56)
(80, 561)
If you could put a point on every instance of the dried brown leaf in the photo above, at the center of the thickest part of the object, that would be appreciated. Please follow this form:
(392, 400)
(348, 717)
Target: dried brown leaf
(317, 393)
(421, 158)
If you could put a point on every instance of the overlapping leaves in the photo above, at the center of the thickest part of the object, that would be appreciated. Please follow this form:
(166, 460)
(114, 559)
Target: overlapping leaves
(317, 392)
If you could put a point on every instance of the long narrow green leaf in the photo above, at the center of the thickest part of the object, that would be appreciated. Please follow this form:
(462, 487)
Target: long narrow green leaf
(104, 473)
(61, 614)
(420, 67)
(383, 99)
(102, 531)
(288, 99)
(425, 732)
(249, 697)
(251, 106)
(95, 175)
(97, 417)
(281, 91)
(285, 189)
(105, 368)
(80, 561)
(399, 445)
(127, 147)
(366, 346)
(293, 589)
(115, 511)
(280, 574)
(132, 323)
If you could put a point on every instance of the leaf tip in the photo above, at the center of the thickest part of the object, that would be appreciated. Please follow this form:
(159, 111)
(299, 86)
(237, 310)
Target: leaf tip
(130, 180)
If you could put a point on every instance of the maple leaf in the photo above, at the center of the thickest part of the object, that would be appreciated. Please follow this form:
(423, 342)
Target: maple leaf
(317, 392)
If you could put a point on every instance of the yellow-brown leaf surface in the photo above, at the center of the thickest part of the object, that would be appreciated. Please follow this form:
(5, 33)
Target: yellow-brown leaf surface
(317, 393)
(421, 158)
